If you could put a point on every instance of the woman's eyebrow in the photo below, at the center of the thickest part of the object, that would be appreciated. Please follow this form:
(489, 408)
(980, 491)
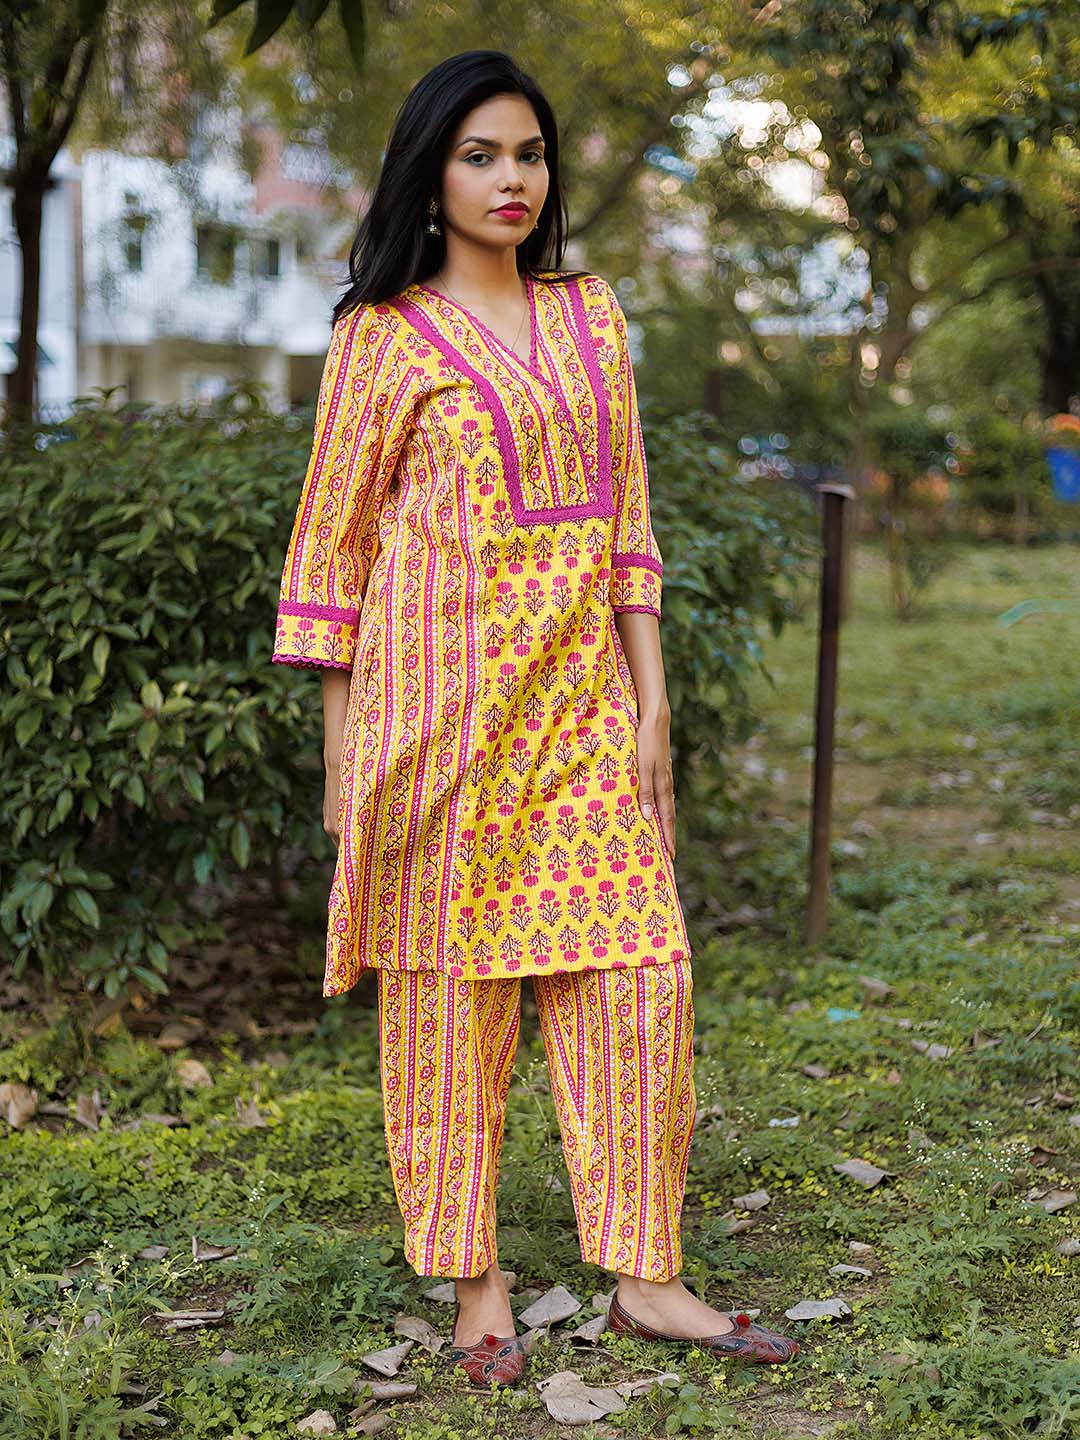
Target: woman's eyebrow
(496, 144)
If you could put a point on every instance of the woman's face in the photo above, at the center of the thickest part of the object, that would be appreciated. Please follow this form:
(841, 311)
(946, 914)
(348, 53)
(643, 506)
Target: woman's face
(496, 159)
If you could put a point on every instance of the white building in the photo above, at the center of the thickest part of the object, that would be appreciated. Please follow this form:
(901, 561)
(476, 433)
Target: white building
(173, 281)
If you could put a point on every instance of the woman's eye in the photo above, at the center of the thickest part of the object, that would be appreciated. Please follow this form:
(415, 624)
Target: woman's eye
(480, 155)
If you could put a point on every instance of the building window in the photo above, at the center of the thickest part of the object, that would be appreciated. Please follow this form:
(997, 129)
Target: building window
(266, 256)
(133, 225)
(215, 253)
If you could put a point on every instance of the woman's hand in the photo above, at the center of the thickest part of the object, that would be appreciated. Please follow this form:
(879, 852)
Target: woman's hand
(335, 706)
(656, 784)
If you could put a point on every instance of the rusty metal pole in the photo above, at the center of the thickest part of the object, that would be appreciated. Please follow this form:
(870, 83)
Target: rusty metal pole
(832, 580)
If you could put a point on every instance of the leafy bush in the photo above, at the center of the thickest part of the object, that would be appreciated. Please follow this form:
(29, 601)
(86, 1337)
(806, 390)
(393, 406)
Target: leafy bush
(733, 556)
(148, 751)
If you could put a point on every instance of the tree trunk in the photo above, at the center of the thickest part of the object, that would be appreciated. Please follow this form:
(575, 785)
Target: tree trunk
(28, 203)
(1059, 354)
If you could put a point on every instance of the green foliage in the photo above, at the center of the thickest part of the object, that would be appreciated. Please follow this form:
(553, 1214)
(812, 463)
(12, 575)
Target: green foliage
(991, 1382)
(148, 751)
(733, 558)
(1006, 461)
(61, 1377)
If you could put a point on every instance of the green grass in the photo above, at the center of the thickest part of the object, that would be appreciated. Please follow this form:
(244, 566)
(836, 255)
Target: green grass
(965, 1327)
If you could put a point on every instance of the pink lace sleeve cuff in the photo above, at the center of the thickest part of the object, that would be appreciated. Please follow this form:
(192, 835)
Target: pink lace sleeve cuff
(316, 635)
(636, 583)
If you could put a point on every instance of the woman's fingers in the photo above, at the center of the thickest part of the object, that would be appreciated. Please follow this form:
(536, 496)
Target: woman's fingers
(656, 787)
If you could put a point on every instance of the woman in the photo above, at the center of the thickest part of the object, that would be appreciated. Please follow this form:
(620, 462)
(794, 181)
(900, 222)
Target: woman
(473, 567)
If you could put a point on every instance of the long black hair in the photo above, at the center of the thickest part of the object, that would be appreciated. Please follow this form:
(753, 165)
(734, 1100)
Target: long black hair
(392, 248)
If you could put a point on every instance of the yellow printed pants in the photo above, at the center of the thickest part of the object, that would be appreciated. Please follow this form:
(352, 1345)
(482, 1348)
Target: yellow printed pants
(619, 1046)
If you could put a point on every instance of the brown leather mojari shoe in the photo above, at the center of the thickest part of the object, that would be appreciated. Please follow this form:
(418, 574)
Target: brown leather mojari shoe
(749, 1342)
(498, 1359)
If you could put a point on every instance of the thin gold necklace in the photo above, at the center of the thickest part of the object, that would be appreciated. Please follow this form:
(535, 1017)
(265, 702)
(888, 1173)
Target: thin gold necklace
(524, 311)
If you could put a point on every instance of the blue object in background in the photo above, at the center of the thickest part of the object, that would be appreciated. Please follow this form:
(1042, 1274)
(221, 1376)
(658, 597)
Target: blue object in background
(1064, 472)
(836, 1012)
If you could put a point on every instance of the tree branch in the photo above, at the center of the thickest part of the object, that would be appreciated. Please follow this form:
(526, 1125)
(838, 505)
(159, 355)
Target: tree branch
(1062, 262)
(620, 181)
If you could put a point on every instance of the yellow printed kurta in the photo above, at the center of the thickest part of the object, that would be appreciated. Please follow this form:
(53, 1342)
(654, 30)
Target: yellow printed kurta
(467, 528)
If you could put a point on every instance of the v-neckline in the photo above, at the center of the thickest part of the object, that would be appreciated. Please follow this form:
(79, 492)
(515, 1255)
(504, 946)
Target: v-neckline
(530, 363)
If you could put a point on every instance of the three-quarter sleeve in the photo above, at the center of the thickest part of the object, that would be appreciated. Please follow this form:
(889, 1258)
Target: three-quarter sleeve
(361, 417)
(636, 561)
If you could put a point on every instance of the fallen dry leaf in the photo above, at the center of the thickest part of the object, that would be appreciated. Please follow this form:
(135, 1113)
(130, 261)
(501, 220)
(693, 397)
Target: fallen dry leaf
(860, 1247)
(319, 1422)
(202, 1251)
(389, 1361)
(631, 1389)
(17, 1103)
(554, 1305)
(873, 988)
(528, 1339)
(178, 1033)
(192, 1074)
(819, 1309)
(248, 1115)
(152, 1252)
(418, 1329)
(862, 1172)
(571, 1402)
(736, 1227)
(932, 1052)
(71, 1272)
(1068, 1247)
(816, 1072)
(1051, 1200)
(89, 1110)
(590, 1332)
(444, 1294)
(981, 1040)
(389, 1389)
(893, 1077)
(189, 1319)
(843, 1269)
(755, 1200)
(1043, 1154)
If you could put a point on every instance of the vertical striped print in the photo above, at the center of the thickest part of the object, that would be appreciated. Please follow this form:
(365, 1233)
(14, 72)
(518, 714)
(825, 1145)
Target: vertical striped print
(619, 1045)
